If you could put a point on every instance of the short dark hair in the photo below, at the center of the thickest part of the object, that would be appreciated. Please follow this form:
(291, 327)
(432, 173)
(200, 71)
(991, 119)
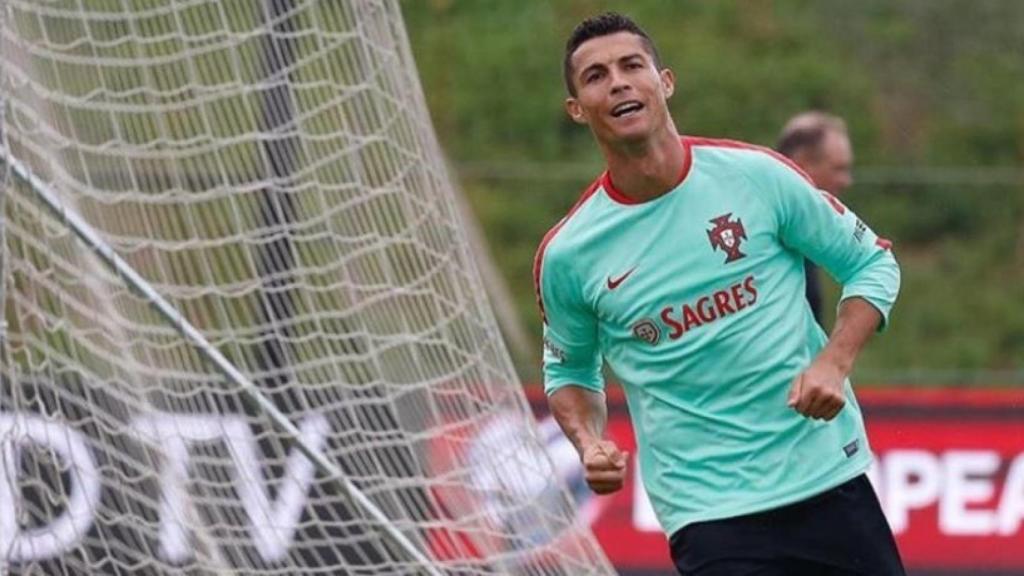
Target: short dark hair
(595, 27)
(806, 130)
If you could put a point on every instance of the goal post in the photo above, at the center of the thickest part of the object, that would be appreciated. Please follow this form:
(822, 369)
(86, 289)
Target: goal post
(245, 331)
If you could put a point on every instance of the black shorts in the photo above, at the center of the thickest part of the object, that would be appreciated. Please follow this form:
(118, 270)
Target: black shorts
(840, 532)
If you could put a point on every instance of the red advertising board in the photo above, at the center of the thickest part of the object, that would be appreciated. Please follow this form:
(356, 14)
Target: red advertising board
(950, 474)
(949, 471)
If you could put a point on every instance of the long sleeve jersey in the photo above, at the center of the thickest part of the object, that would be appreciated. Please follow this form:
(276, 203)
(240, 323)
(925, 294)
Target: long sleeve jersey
(695, 299)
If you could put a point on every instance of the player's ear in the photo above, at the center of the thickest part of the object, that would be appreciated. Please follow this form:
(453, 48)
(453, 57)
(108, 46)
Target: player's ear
(575, 111)
(668, 82)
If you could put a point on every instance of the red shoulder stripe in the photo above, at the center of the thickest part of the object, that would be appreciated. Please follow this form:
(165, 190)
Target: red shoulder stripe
(724, 143)
(538, 259)
(883, 243)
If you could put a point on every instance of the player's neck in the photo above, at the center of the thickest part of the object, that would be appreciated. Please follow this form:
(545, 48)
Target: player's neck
(645, 170)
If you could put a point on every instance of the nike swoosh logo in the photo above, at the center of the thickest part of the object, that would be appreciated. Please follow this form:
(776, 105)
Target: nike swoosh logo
(613, 283)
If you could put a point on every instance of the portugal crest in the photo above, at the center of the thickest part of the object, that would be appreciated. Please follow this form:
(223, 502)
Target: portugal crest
(727, 236)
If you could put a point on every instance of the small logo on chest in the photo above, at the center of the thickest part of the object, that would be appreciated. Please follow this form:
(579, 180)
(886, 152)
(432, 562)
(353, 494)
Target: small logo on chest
(613, 283)
(727, 235)
(647, 331)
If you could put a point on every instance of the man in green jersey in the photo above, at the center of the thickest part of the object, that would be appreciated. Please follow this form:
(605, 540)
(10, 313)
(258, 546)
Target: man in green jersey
(681, 266)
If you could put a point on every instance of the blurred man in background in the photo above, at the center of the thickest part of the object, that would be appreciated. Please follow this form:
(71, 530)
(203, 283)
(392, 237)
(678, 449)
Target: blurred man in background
(680, 267)
(818, 143)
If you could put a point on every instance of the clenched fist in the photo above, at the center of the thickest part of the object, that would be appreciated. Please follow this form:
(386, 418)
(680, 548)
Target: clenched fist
(817, 392)
(604, 466)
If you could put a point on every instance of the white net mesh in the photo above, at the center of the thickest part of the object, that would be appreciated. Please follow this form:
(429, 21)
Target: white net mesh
(270, 169)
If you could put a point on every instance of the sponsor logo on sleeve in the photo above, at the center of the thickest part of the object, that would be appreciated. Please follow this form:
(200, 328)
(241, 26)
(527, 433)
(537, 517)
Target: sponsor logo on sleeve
(858, 230)
(554, 350)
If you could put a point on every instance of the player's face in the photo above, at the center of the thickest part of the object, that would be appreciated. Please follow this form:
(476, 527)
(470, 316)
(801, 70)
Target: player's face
(620, 93)
(831, 168)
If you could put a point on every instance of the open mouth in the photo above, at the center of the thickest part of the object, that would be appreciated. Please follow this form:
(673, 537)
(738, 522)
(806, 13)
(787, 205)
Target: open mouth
(627, 108)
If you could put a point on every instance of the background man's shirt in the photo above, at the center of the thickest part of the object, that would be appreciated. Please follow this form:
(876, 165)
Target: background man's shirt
(696, 301)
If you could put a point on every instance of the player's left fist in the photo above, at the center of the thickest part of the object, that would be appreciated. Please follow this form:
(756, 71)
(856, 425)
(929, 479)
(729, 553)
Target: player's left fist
(817, 392)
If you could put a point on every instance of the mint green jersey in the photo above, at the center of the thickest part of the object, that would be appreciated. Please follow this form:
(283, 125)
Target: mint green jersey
(695, 299)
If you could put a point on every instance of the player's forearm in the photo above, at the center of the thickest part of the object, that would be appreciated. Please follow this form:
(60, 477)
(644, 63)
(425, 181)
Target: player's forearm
(856, 322)
(581, 413)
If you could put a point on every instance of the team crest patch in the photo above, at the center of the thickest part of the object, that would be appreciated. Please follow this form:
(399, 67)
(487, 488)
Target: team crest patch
(727, 236)
(647, 331)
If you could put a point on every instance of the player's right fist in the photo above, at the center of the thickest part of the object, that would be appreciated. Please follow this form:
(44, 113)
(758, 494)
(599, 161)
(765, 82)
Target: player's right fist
(604, 466)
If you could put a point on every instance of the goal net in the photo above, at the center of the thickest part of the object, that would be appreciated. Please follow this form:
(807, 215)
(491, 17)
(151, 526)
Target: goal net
(244, 332)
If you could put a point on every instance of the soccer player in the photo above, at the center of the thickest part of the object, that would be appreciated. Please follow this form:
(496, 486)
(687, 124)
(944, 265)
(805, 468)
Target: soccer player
(682, 267)
(819, 144)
